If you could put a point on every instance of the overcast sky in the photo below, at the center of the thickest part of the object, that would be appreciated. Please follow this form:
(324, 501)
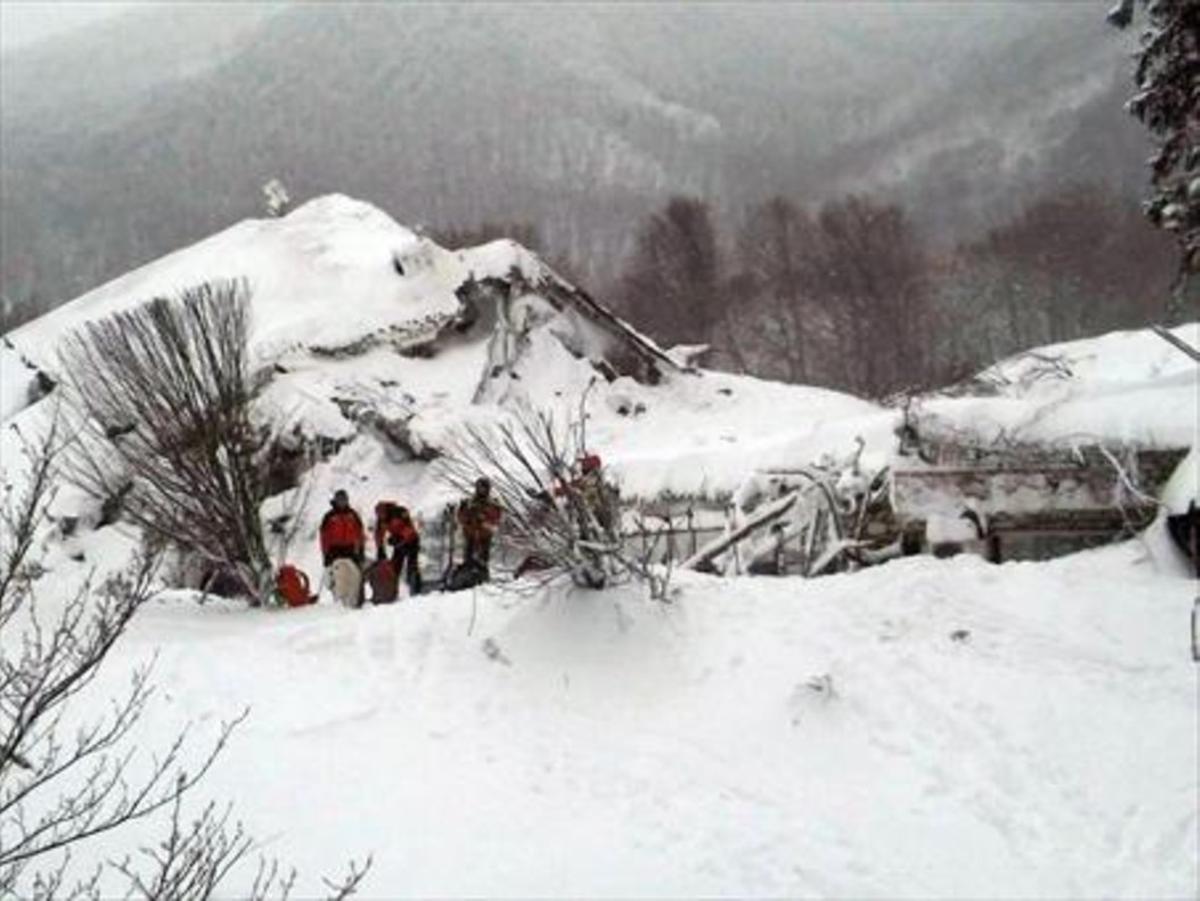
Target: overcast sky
(23, 22)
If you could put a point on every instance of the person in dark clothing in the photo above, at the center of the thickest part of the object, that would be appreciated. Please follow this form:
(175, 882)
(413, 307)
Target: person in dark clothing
(342, 533)
(394, 528)
(479, 517)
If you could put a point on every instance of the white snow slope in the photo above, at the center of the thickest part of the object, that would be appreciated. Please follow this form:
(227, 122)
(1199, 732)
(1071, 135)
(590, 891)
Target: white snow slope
(611, 747)
(929, 728)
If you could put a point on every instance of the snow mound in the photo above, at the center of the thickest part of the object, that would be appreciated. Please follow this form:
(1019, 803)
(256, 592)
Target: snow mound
(358, 320)
(323, 276)
(1183, 488)
(1130, 387)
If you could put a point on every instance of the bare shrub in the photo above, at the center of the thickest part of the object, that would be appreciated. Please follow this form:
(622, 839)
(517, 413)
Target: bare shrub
(61, 787)
(565, 523)
(162, 394)
(44, 808)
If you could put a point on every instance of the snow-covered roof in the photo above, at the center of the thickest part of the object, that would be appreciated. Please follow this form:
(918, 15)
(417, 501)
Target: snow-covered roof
(1130, 387)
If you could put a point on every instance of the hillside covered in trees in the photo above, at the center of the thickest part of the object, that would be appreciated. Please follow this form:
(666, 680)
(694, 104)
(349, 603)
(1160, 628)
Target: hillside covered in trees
(576, 120)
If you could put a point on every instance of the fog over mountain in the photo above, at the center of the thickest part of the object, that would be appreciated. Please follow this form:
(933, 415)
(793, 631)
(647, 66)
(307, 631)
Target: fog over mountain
(125, 140)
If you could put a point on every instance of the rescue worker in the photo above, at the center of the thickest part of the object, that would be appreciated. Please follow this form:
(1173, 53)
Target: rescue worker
(479, 517)
(342, 533)
(394, 527)
(598, 496)
(343, 541)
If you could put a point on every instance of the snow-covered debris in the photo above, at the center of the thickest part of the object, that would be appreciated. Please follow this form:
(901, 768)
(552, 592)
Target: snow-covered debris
(1129, 387)
(376, 345)
(357, 321)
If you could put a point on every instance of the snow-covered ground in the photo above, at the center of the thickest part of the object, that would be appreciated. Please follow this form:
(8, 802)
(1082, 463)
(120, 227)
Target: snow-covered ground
(945, 729)
(924, 729)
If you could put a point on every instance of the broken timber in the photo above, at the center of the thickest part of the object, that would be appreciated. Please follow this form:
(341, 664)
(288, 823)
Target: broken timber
(762, 518)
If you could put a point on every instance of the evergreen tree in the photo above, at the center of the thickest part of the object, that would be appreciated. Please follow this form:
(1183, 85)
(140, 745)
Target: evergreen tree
(1168, 103)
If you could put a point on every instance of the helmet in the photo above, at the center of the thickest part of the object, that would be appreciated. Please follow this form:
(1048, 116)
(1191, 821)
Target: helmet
(341, 497)
(483, 484)
(589, 462)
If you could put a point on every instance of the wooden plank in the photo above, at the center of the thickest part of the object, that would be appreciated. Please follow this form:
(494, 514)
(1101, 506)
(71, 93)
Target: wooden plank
(767, 515)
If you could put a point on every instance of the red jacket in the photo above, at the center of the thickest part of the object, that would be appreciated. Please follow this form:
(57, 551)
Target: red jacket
(342, 529)
(478, 517)
(393, 524)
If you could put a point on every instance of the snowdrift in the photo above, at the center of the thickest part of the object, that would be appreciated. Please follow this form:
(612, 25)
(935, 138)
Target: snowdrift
(935, 729)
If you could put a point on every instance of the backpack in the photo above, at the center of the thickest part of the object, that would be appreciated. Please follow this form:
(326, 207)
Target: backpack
(381, 577)
(291, 586)
(345, 582)
(467, 574)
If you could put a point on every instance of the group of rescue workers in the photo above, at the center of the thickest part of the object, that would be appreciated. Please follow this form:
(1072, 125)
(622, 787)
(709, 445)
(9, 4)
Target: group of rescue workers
(343, 536)
(397, 542)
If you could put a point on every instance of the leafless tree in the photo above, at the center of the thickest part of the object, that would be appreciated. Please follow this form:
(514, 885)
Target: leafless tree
(673, 285)
(873, 284)
(776, 254)
(162, 393)
(56, 791)
(1084, 260)
(193, 860)
(61, 787)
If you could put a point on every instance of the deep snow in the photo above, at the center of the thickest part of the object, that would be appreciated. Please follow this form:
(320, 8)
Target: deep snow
(925, 729)
(839, 737)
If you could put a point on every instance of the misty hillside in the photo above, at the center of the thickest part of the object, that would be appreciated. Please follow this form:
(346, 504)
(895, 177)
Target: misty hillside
(575, 118)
